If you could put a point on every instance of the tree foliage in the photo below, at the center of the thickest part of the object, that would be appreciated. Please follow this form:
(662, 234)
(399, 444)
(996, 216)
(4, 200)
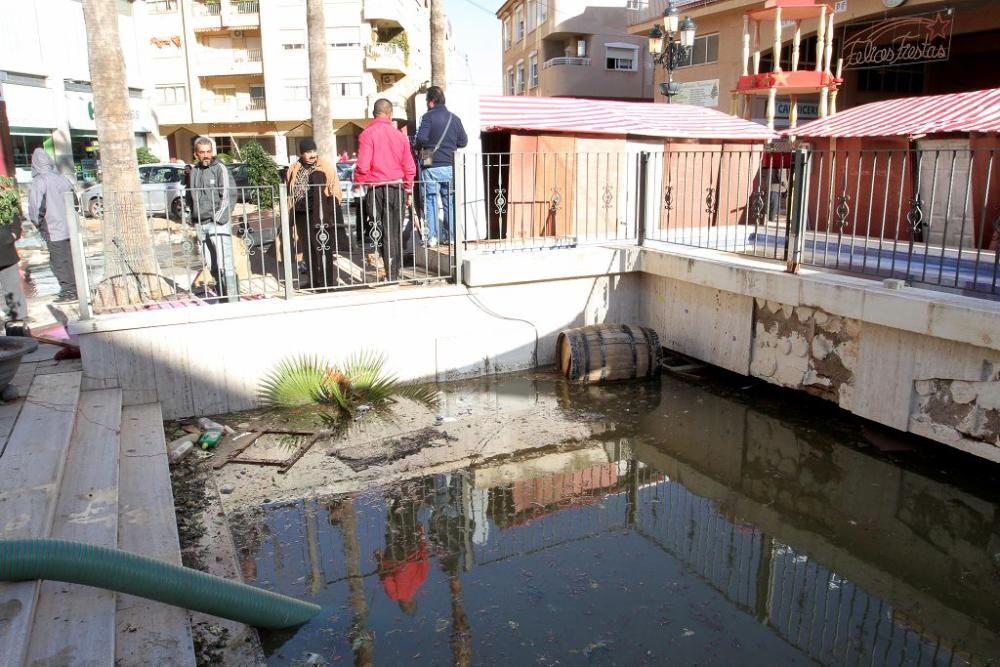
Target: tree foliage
(262, 174)
(10, 200)
(145, 156)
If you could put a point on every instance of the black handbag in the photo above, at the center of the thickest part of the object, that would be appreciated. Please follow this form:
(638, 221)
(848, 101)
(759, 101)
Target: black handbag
(427, 154)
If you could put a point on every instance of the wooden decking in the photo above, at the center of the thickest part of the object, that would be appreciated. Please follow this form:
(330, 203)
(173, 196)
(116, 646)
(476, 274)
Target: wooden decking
(75, 465)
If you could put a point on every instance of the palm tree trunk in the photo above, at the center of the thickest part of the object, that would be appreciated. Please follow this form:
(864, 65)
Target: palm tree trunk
(319, 81)
(461, 633)
(439, 46)
(360, 636)
(130, 271)
(312, 548)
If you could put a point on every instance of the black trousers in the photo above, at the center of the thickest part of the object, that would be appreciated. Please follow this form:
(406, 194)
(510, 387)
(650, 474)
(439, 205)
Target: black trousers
(385, 208)
(61, 261)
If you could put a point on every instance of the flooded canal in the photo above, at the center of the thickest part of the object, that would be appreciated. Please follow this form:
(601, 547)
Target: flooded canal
(713, 521)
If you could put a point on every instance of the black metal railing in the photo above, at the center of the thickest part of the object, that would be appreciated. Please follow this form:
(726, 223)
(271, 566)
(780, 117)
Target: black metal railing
(528, 201)
(930, 217)
(168, 248)
(730, 199)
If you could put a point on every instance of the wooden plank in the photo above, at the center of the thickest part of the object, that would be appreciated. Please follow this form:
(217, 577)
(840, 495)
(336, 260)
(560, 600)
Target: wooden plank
(75, 624)
(30, 471)
(148, 633)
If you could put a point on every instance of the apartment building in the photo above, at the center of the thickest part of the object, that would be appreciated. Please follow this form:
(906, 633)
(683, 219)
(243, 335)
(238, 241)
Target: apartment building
(45, 78)
(237, 70)
(577, 48)
(889, 48)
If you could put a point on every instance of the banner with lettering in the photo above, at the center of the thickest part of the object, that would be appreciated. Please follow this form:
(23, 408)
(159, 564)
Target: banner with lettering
(905, 40)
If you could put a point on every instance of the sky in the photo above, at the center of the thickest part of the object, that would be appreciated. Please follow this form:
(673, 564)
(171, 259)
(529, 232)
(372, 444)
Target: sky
(476, 33)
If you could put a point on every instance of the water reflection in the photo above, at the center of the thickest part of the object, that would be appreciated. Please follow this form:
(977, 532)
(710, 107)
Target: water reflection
(699, 529)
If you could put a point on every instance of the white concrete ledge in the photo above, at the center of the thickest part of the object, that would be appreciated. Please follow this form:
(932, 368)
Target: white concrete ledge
(550, 264)
(931, 313)
(277, 306)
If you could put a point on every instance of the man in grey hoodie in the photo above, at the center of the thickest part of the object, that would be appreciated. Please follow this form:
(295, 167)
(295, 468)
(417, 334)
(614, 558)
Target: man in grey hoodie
(47, 209)
(211, 194)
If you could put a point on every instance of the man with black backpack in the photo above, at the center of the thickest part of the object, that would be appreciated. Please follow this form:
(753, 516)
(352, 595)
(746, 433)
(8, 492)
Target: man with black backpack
(440, 134)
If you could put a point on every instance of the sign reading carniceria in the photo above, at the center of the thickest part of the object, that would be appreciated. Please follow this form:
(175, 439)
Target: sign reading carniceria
(906, 40)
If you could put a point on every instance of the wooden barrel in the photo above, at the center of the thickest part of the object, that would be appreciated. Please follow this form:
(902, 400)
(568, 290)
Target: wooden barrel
(606, 352)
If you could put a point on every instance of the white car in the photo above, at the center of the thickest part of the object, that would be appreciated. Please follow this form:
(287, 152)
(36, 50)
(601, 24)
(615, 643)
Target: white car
(162, 191)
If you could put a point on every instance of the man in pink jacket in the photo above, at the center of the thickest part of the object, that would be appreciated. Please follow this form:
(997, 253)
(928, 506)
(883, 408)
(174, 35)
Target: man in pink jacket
(385, 164)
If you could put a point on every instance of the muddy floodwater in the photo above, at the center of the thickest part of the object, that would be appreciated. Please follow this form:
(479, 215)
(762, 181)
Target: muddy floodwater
(709, 520)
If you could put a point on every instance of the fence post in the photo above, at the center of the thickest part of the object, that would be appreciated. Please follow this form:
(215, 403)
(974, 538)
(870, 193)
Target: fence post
(79, 259)
(797, 217)
(286, 243)
(640, 232)
(458, 173)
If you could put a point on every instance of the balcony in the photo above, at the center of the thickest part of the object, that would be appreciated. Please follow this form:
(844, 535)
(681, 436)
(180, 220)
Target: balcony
(238, 14)
(390, 12)
(221, 16)
(207, 16)
(566, 60)
(229, 62)
(239, 110)
(384, 57)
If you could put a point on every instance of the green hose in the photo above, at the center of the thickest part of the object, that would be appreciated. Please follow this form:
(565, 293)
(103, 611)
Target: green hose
(77, 563)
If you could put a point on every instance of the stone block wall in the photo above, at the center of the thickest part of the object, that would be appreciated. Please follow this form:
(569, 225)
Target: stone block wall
(805, 348)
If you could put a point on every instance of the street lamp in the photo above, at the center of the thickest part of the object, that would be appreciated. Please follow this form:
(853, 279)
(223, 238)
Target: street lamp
(674, 51)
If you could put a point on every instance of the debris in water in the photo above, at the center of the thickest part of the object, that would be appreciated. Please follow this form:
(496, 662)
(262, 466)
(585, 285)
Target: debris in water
(687, 633)
(596, 648)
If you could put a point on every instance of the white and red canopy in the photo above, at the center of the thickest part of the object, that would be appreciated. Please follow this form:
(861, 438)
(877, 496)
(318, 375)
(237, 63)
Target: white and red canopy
(640, 119)
(977, 111)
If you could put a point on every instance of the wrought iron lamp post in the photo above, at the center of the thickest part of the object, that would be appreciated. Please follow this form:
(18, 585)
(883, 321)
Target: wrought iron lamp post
(670, 46)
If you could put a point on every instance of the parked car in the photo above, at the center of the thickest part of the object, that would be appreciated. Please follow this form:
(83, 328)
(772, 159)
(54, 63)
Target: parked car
(351, 200)
(162, 191)
(345, 172)
(241, 178)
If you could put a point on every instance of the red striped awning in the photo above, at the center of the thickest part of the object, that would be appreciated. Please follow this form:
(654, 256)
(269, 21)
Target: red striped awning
(977, 111)
(638, 119)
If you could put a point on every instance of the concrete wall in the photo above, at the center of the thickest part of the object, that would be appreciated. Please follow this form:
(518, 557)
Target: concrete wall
(210, 360)
(918, 361)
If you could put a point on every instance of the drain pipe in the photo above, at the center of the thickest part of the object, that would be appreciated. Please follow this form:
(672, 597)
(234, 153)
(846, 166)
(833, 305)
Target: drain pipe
(123, 572)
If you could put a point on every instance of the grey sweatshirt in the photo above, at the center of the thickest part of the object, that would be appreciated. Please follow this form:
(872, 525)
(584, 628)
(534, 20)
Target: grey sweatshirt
(48, 189)
(211, 193)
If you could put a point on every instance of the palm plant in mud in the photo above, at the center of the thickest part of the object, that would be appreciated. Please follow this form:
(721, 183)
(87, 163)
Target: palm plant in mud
(360, 384)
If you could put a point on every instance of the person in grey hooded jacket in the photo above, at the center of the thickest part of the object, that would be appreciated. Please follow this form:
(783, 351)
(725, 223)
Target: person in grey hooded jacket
(211, 194)
(47, 210)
